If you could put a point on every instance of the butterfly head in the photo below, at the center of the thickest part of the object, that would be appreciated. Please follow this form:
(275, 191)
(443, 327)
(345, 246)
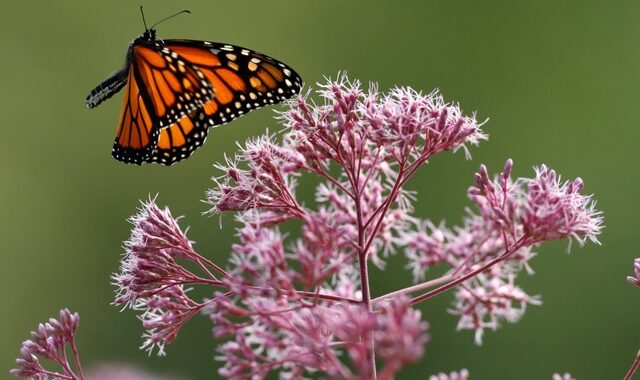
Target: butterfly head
(148, 35)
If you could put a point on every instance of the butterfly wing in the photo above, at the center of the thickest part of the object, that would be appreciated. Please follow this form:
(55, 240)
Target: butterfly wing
(178, 141)
(172, 87)
(243, 80)
(136, 135)
(169, 102)
(163, 90)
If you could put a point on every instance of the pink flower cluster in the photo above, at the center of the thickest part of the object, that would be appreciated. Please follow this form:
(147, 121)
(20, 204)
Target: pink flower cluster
(153, 275)
(296, 296)
(50, 342)
(299, 304)
(270, 334)
(496, 242)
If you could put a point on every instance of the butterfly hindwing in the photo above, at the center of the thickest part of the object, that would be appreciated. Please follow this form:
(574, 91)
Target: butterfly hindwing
(136, 135)
(177, 142)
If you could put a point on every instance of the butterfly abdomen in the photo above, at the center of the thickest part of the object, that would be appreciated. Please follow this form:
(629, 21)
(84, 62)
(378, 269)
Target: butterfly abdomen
(106, 89)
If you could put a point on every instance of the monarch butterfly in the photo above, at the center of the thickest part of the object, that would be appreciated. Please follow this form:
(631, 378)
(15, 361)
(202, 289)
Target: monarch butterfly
(177, 89)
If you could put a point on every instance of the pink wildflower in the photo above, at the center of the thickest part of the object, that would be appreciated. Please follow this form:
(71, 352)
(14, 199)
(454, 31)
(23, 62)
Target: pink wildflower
(296, 299)
(556, 210)
(260, 262)
(152, 279)
(547, 209)
(424, 247)
(499, 200)
(258, 177)
(313, 338)
(149, 263)
(400, 336)
(512, 219)
(162, 316)
(50, 342)
(489, 299)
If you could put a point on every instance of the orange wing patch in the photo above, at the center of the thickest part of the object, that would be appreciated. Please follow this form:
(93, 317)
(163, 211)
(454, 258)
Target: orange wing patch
(136, 134)
(197, 55)
(173, 87)
(179, 140)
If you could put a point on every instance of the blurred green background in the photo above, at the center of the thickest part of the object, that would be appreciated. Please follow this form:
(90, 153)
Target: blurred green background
(558, 80)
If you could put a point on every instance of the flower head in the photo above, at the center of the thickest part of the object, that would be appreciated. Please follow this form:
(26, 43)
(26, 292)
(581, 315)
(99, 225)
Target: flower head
(397, 126)
(163, 315)
(259, 176)
(539, 209)
(424, 246)
(323, 249)
(149, 262)
(49, 341)
(556, 209)
(404, 118)
(400, 333)
(489, 299)
(260, 261)
(152, 277)
(500, 200)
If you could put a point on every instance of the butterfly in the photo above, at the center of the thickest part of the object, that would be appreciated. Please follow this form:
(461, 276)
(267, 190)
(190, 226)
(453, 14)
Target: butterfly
(174, 90)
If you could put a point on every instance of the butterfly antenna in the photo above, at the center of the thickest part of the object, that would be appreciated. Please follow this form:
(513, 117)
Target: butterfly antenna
(143, 20)
(172, 16)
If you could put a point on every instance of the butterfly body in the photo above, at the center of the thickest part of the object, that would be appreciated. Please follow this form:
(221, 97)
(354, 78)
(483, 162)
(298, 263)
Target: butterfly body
(114, 83)
(176, 89)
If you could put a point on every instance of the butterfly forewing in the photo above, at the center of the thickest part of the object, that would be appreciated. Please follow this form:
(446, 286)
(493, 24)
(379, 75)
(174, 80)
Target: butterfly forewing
(243, 79)
(178, 141)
